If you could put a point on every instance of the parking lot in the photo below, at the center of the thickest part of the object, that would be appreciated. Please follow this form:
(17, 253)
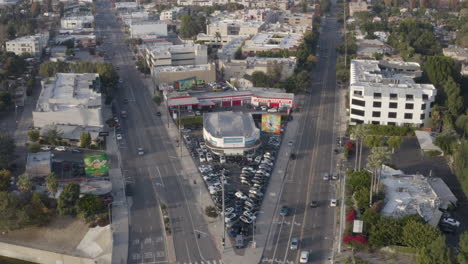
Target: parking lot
(245, 180)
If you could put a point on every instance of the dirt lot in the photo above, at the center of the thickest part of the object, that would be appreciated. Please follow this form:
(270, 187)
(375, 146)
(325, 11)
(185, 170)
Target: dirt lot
(62, 235)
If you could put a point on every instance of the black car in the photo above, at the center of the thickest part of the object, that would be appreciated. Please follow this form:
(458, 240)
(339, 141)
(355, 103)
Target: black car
(313, 204)
(158, 113)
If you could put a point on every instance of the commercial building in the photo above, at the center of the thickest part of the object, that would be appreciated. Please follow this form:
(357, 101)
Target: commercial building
(369, 47)
(140, 29)
(39, 164)
(69, 99)
(126, 5)
(266, 15)
(254, 97)
(166, 54)
(230, 133)
(238, 68)
(171, 74)
(76, 22)
(33, 45)
(272, 41)
(172, 13)
(385, 93)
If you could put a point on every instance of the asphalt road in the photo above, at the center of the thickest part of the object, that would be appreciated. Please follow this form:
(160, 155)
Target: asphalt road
(313, 227)
(157, 175)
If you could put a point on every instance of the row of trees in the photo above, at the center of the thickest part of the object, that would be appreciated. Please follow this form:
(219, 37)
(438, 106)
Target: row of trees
(190, 26)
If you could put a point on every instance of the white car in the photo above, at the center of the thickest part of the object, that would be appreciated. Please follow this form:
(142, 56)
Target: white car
(272, 110)
(209, 157)
(263, 108)
(46, 148)
(202, 158)
(326, 177)
(222, 159)
(141, 152)
(119, 137)
(290, 143)
(451, 221)
(240, 195)
(333, 203)
(60, 148)
(258, 159)
(229, 217)
(304, 257)
(249, 158)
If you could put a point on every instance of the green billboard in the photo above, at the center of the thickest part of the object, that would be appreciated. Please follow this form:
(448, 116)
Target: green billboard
(96, 165)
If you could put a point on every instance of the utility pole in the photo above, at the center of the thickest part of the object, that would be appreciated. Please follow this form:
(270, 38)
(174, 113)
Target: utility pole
(345, 38)
(180, 133)
(224, 212)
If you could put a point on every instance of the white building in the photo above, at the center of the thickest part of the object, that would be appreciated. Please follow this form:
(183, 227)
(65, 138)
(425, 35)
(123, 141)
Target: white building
(235, 27)
(77, 22)
(33, 45)
(167, 54)
(142, 28)
(69, 99)
(385, 93)
(272, 41)
(230, 133)
(172, 13)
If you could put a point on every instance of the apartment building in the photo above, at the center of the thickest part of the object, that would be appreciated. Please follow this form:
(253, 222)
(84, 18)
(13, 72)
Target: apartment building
(69, 99)
(235, 69)
(359, 6)
(385, 93)
(76, 22)
(172, 13)
(272, 41)
(167, 54)
(297, 19)
(235, 27)
(33, 45)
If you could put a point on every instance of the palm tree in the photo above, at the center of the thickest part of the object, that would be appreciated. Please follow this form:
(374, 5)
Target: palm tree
(359, 132)
(373, 163)
(383, 155)
(217, 37)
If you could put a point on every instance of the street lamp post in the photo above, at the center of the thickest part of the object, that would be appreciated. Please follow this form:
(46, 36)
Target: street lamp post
(223, 213)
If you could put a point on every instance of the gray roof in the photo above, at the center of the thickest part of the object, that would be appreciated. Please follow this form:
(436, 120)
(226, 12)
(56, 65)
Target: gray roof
(426, 140)
(229, 124)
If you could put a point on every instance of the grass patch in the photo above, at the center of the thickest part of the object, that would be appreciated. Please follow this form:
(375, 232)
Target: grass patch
(7, 260)
(405, 250)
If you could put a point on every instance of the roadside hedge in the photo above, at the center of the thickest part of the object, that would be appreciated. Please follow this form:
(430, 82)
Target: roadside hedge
(386, 130)
(190, 121)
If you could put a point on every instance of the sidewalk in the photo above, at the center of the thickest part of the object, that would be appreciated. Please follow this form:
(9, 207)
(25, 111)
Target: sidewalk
(120, 211)
(269, 205)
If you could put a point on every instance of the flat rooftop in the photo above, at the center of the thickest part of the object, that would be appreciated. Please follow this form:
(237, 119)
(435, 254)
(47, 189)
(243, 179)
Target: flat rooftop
(39, 158)
(229, 124)
(185, 68)
(274, 40)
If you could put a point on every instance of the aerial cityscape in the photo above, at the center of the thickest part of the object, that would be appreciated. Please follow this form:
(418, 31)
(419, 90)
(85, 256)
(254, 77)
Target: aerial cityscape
(233, 131)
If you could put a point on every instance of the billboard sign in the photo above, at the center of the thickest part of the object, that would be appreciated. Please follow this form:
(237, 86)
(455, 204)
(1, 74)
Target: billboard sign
(96, 165)
(271, 123)
(185, 84)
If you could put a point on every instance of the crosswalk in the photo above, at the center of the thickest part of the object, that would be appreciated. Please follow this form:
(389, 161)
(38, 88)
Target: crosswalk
(270, 260)
(203, 262)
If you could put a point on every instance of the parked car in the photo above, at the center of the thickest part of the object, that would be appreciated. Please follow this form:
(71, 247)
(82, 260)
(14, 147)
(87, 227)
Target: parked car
(240, 195)
(263, 108)
(450, 221)
(335, 176)
(119, 137)
(294, 244)
(304, 257)
(141, 152)
(272, 110)
(61, 148)
(325, 176)
(202, 158)
(222, 159)
(284, 211)
(333, 203)
(209, 157)
(46, 148)
(75, 150)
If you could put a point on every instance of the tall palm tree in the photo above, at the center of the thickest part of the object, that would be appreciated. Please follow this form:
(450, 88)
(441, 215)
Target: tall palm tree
(217, 37)
(383, 155)
(373, 163)
(359, 132)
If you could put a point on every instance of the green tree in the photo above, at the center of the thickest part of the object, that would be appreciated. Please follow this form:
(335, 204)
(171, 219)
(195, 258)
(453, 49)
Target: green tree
(260, 79)
(53, 136)
(419, 235)
(52, 183)
(454, 99)
(302, 80)
(7, 151)
(85, 140)
(33, 135)
(188, 26)
(436, 252)
(361, 198)
(358, 180)
(68, 198)
(373, 141)
(38, 213)
(89, 207)
(359, 132)
(462, 124)
(439, 69)
(461, 165)
(462, 256)
(24, 183)
(446, 142)
(5, 179)
(386, 232)
(34, 147)
(5, 100)
(394, 143)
